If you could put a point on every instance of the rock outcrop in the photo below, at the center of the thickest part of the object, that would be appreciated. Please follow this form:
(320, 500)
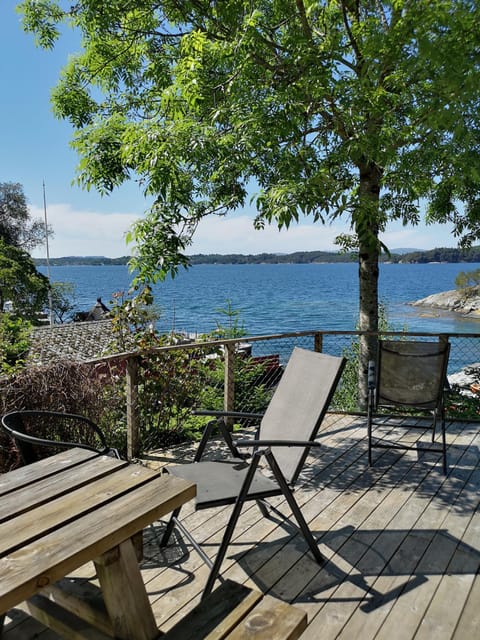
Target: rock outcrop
(467, 380)
(455, 301)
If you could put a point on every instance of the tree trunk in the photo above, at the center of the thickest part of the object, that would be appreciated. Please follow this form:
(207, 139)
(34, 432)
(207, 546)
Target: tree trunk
(367, 227)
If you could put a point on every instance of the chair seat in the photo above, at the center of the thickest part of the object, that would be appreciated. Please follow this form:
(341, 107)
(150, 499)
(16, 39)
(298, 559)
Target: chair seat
(218, 483)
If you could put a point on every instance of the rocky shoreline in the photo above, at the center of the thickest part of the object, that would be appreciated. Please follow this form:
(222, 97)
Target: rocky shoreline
(455, 301)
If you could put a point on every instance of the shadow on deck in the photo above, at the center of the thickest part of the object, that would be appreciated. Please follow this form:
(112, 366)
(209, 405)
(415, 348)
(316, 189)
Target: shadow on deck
(401, 540)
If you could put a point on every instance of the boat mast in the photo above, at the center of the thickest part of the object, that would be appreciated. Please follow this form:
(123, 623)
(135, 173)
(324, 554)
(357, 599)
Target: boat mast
(50, 305)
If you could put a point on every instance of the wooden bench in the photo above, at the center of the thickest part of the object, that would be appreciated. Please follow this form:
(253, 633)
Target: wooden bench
(235, 612)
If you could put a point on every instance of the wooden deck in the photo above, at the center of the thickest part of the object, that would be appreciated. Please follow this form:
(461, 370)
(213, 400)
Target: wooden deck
(402, 542)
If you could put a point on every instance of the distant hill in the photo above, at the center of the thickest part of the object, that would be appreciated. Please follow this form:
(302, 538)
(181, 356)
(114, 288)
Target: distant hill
(402, 252)
(298, 257)
(81, 260)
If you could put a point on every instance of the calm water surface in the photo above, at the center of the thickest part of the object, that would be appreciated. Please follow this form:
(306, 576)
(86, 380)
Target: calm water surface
(280, 298)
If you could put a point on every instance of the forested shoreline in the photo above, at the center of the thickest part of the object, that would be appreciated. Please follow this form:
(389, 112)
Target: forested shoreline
(298, 257)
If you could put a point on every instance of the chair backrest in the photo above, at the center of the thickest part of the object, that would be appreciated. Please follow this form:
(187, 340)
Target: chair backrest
(38, 434)
(299, 404)
(411, 373)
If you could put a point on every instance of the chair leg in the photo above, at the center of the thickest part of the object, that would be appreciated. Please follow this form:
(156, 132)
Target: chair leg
(370, 462)
(170, 526)
(307, 534)
(434, 424)
(369, 427)
(263, 508)
(444, 445)
(227, 536)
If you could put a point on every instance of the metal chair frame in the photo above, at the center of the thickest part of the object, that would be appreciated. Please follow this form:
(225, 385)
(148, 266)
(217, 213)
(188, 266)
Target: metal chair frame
(12, 423)
(252, 484)
(434, 405)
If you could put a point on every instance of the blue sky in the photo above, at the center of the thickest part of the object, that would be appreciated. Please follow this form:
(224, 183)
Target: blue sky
(35, 148)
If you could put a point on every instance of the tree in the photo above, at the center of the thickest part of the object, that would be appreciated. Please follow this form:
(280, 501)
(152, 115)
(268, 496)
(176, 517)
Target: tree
(468, 282)
(63, 300)
(14, 343)
(16, 226)
(325, 108)
(21, 283)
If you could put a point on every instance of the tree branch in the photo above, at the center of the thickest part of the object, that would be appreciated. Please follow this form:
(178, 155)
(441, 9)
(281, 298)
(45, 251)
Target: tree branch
(307, 31)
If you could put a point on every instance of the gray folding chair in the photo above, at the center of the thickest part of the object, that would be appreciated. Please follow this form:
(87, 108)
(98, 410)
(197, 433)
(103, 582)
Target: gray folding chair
(408, 375)
(286, 433)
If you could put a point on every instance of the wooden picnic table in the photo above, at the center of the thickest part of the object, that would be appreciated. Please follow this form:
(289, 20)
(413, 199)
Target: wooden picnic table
(66, 510)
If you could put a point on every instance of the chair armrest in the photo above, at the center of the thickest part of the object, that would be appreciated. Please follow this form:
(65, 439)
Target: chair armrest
(226, 436)
(277, 443)
(227, 414)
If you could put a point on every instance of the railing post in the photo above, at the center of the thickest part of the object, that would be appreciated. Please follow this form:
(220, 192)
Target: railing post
(318, 342)
(133, 448)
(229, 382)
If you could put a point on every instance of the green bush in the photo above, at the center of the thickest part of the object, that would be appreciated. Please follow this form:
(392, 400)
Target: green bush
(468, 282)
(14, 342)
(69, 387)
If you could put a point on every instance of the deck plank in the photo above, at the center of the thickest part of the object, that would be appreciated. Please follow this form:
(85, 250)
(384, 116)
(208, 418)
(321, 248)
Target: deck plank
(401, 542)
(400, 559)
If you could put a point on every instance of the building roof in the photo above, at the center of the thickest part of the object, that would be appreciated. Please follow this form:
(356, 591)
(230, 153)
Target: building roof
(80, 341)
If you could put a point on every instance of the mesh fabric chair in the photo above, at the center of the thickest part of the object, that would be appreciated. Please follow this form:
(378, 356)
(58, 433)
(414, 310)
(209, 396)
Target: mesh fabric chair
(408, 375)
(38, 434)
(285, 435)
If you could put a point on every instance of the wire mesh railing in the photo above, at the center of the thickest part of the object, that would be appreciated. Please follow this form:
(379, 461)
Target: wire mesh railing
(241, 374)
(146, 399)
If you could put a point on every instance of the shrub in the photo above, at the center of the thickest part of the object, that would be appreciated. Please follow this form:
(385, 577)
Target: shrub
(69, 387)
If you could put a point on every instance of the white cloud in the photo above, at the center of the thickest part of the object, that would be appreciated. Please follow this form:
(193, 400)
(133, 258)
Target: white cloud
(85, 233)
(420, 237)
(237, 235)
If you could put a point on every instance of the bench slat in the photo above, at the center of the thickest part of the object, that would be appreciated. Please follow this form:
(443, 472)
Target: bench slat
(271, 620)
(235, 612)
(61, 621)
(215, 616)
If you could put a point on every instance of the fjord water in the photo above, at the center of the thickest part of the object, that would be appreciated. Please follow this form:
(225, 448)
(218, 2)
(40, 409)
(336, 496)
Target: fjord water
(277, 298)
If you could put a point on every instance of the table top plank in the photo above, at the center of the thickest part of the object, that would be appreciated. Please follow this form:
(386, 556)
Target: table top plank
(44, 561)
(52, 486)
(52, 465)
(61, 510)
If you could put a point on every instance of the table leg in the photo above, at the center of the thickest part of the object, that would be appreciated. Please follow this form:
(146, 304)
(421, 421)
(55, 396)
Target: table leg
(125, 595)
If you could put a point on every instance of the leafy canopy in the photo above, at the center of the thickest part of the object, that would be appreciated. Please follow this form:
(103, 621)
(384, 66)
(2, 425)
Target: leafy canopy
(16, 226)
(325, 108)
(21, 283)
